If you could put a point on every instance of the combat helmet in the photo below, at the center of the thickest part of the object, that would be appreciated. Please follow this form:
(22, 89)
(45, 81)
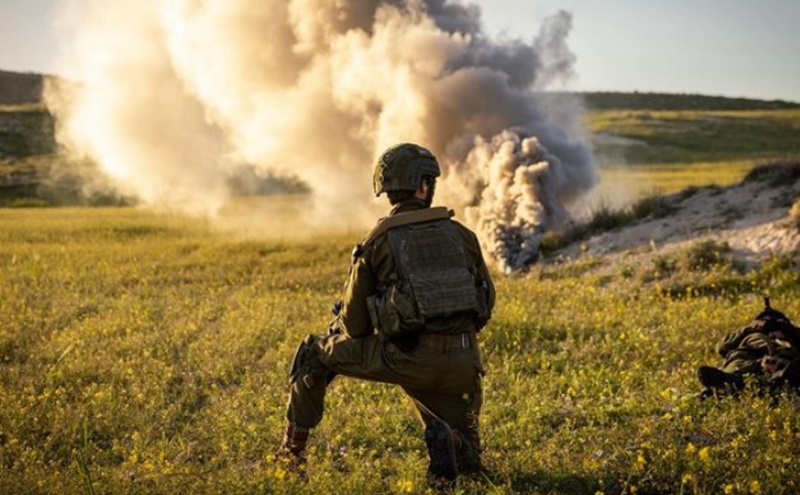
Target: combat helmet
(401, 167)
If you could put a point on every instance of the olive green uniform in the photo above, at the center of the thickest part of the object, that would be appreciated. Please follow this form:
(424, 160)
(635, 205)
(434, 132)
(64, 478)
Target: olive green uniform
(441, 373)
(756, 351)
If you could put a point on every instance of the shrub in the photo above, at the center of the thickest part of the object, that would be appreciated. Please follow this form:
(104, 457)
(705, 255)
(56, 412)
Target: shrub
(707, 254)
(774, 173)
(665, 265)
(28, 203)
(655, 206)
(605, 218)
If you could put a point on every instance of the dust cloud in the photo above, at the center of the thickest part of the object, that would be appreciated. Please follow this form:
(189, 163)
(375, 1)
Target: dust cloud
(176, 98)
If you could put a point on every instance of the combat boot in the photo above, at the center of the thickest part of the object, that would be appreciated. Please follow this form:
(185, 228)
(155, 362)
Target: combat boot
(292, 451)
(468, 458)
(715, 378)
(441, 443)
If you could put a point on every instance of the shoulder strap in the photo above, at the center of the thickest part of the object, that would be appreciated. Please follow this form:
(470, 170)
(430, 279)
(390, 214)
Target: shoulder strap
(416, 216)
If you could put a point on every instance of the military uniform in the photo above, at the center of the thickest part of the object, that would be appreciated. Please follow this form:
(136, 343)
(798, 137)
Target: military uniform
(757, 351)
(439, 367)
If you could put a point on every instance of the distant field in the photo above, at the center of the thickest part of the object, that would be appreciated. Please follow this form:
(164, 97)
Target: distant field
(669, 137)
(622, 185)
(642, 152)
(148, 354)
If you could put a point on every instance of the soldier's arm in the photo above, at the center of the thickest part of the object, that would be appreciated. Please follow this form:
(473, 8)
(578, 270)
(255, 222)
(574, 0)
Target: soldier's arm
(484, 273)
(354, 315)
(486, 283)
(733, 340)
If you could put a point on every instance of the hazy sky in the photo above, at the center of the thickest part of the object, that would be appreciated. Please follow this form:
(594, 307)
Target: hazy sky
(727, 47)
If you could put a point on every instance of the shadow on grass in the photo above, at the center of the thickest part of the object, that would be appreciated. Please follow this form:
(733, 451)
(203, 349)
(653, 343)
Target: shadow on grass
(556, 482)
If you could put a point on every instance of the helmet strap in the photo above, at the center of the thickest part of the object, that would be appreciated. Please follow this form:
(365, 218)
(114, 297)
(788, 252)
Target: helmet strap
(428, 187)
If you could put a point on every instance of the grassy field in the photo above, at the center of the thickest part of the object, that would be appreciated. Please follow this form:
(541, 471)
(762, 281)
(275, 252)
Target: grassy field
(148, 354)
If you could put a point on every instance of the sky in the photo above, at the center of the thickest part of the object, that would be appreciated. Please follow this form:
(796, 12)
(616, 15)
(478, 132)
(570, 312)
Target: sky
(740, 48)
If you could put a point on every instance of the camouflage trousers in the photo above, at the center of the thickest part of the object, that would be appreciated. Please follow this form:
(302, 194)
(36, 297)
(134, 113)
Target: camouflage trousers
(442, 375)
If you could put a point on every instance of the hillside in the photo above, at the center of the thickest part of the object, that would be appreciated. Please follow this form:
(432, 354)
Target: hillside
(18, 88)
(26, 130)
(739, 226)
(668, 101)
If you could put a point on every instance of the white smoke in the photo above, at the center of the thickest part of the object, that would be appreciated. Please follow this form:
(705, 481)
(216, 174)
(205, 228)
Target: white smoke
(176, 97)
(517, 202)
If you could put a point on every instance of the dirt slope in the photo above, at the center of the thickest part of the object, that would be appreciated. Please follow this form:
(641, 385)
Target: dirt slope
(752, 217)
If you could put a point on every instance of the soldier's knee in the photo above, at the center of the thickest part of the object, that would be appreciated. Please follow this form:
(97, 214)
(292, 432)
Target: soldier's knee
(306, 365)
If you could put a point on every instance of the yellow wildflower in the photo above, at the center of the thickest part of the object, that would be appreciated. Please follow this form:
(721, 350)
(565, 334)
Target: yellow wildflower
(405, 486)
(755, 487)
(687, 478)
(691, 449)
(729, 489)
(704, 454)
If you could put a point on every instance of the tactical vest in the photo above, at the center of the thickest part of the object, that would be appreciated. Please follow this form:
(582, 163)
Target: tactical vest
(433, 278)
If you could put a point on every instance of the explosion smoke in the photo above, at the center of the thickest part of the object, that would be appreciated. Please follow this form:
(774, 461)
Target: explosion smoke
(176, 97)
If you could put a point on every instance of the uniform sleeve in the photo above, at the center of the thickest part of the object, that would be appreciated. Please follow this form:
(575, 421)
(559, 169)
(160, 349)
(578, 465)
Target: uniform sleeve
(484, 273)
(733, 340)
(354, 316)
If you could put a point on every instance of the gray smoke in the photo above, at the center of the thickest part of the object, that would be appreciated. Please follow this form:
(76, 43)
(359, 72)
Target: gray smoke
(177, 97)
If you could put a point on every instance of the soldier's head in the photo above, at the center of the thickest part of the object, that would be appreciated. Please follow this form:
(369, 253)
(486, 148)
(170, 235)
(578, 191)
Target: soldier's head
(405, 171)
(771, 319)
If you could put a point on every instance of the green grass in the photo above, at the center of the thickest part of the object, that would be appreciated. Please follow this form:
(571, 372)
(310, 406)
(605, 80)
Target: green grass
(148, 354)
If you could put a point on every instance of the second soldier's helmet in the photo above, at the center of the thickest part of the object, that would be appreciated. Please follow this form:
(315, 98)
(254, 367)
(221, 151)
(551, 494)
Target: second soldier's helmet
(401, 167)
(771, 315)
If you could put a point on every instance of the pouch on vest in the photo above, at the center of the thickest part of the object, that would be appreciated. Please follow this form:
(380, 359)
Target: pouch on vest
(394, 313)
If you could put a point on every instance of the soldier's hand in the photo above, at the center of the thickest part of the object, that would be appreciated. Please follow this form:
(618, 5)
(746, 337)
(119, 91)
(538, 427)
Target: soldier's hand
(769, 364)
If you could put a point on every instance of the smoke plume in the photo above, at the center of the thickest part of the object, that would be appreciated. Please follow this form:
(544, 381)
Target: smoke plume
(176, 98)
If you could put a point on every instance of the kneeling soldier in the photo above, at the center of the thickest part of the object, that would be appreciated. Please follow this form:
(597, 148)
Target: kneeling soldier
(417, 294)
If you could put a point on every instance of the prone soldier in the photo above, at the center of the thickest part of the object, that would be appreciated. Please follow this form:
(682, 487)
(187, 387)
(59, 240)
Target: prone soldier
(768, 349)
